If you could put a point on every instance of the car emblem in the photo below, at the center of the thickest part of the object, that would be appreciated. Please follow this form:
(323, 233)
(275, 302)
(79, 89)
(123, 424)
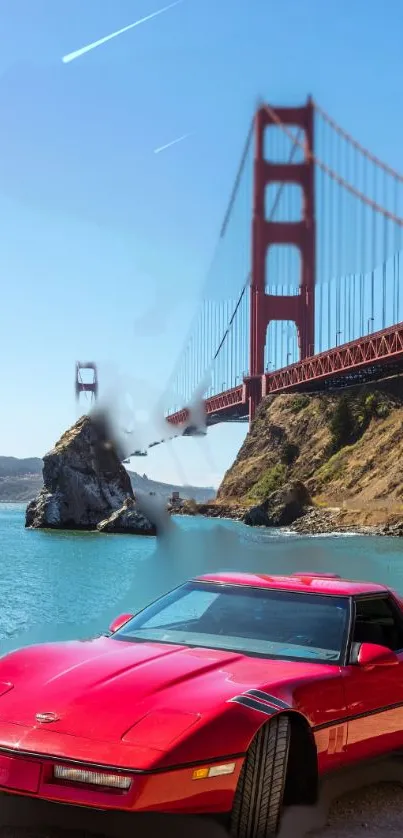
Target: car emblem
(45, 718)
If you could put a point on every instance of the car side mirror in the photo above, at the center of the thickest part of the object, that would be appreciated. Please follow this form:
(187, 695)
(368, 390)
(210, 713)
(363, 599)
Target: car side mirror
(118, 622)
(371, 655)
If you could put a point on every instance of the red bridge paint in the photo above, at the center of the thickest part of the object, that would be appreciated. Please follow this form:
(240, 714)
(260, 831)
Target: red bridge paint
(264, 308)
(366, 358)
(372, 355)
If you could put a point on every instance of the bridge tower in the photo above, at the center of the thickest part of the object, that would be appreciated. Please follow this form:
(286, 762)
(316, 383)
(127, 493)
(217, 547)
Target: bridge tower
(84, 386)
(264, 308)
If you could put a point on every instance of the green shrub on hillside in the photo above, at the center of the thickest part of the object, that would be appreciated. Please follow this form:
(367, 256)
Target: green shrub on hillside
(382, 410)
(341, 424)
(299, 402)
(271, 479)
(289, 453)
(352, 416)
(332, 469)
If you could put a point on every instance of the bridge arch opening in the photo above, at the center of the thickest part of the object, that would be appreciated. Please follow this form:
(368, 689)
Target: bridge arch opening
(284, 202)
(284, 144)
(283, 270)
(86, 380)
(281, 348)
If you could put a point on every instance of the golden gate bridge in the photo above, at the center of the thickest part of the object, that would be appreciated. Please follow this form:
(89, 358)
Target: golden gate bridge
(304, 290)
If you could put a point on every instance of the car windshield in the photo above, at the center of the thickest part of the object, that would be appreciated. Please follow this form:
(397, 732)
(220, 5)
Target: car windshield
(255, 621)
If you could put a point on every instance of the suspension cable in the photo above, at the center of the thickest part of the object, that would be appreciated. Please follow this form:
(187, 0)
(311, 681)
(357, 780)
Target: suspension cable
(356, 144)
(237, 181)
(340, 180)
(271, 216)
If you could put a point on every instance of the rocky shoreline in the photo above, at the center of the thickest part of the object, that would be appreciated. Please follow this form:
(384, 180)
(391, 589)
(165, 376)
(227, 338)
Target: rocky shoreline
(327, 521)
(86, 487)
(314, 521)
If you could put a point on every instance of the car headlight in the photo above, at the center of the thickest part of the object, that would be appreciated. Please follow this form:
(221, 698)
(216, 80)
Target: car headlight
(92, 778)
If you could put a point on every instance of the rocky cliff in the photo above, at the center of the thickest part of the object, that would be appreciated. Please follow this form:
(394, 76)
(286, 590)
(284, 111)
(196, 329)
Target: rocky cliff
(346, 448)
(84, 483)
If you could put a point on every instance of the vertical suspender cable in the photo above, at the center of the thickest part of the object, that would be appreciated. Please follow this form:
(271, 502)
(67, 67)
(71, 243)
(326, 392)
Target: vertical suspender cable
(374, 252)
(395, 255)
(385, 256)
(364, 245)
(398, 248)
(322, 244)
(341, 244)
(332, 188)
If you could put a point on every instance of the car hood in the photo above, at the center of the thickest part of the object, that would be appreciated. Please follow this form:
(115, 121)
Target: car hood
(109, 690)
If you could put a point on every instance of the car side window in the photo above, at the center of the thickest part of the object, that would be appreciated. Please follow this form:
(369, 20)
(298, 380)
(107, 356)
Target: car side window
(378, 620)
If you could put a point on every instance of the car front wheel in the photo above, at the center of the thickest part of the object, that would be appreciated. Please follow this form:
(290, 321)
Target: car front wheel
(259, 794)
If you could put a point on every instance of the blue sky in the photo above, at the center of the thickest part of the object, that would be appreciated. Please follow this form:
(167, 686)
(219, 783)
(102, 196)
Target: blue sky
(105, 245)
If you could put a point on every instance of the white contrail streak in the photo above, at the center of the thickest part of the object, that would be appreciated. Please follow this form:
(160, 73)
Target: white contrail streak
(173, 142)
(79, 52)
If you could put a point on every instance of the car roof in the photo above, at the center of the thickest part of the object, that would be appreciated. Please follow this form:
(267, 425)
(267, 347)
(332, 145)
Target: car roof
(303, 582)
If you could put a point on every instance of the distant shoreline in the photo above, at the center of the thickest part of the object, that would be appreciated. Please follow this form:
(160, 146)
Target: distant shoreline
(21, 481)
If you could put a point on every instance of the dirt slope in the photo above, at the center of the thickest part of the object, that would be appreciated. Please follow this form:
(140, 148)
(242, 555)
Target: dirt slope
(347, 448)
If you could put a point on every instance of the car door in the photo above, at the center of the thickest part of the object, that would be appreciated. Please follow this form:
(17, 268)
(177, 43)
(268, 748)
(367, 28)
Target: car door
(374, 694)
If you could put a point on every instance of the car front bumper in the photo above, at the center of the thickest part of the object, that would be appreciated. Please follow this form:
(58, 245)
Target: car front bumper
(171, 791)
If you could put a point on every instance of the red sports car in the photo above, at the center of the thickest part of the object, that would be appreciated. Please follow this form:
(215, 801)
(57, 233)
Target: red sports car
(231, 695)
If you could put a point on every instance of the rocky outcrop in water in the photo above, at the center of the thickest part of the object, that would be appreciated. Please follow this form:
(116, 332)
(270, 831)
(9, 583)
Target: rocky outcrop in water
(281, 508)
(84, 481)
(128, 519)
(209, 510)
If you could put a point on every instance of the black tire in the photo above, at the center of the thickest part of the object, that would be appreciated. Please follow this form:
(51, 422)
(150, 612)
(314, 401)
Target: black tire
(259, 794)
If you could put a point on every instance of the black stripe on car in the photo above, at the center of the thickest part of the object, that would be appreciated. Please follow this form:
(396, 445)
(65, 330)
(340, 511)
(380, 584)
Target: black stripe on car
(254, 704)
(270, 698)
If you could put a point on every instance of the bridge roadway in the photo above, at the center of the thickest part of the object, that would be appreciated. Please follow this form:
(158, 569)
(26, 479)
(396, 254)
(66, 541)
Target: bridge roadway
(369, 358)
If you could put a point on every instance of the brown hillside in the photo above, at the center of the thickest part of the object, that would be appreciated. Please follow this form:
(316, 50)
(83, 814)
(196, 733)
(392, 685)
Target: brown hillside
(346, 447)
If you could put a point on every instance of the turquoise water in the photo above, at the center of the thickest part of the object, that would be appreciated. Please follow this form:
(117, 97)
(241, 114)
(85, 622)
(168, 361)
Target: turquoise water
(57, 586)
